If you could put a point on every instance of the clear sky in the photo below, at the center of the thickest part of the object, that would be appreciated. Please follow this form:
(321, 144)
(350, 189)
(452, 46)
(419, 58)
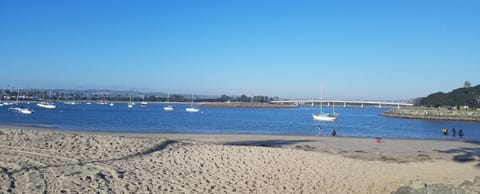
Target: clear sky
(357, 49)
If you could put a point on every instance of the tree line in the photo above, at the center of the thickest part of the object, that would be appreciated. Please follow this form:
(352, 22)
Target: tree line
(460, 97)
(38, 95)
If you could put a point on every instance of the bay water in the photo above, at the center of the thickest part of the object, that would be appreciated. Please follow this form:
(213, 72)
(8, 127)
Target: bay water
(351, 121)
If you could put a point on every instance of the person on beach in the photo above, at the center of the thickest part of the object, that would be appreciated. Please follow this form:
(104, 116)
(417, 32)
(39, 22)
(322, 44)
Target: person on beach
(453, 132)
(460, 134)
(334, 133)
(378, 140)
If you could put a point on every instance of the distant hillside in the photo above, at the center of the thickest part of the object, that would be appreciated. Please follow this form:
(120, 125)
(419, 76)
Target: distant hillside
(465, 96)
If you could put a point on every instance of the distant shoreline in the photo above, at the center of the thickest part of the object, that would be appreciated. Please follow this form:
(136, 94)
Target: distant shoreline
(246, 105)
(206, 104)
(433, 114)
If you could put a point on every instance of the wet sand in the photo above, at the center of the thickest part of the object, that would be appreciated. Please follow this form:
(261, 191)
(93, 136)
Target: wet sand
(37, 160)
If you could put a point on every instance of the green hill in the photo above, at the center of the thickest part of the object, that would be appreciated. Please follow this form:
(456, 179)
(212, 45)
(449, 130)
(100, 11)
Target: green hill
(465, 96)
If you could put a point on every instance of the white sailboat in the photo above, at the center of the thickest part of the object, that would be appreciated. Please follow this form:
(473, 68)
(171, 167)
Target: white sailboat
(321, 116)
(168, 107)
(143, 104)
(130, 104)
(49, 104)
(21, 110)
(191, 108)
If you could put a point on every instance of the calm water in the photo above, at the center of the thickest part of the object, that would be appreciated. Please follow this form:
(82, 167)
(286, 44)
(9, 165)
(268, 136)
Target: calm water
(352, 121)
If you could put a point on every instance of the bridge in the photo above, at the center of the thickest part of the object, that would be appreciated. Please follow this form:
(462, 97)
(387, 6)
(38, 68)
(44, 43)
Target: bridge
(345, 103)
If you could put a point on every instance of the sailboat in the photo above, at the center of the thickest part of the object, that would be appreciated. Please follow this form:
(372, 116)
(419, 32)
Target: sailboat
(130, 104)
(191, 108)
(21, 110)
(143, 104)
(321, 116)
(49, 104)
(168, 107)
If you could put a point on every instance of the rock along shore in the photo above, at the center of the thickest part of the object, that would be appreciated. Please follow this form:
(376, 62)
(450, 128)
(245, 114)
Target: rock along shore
(433, 113)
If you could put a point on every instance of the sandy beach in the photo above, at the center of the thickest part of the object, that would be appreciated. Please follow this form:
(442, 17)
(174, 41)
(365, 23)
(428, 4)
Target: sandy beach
(40, 160)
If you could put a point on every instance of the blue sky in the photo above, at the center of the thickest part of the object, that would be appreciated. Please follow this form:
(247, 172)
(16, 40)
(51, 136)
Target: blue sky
(357, 49)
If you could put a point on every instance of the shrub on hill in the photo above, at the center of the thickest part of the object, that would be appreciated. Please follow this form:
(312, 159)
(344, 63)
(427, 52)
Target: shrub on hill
(465, 96)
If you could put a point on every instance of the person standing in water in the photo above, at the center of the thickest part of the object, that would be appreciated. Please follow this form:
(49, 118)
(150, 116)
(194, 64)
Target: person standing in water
(460, 134)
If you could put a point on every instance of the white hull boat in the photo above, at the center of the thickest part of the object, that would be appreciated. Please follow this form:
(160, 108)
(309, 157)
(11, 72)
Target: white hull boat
(47, 105)
(130, 104)
(25, 111)
(191, 109)
(324, 117)
(168, 107)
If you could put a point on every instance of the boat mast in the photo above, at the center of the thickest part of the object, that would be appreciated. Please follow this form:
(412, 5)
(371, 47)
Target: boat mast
(49, 96)
(333, 105)
(321, 98)
(18, 93)
(191, 105)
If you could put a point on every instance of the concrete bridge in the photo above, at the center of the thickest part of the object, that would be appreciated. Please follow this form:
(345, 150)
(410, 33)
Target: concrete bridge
(343, 103)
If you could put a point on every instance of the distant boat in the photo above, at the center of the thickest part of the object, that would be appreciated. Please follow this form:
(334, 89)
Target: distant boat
(49, 104)
(70, 102)
(130, 104)
(191, 108)
(102, 101)
(324, 116)
(143, 104)
(321, 116)
(168, 107)
(111, 104)
(21, 110)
